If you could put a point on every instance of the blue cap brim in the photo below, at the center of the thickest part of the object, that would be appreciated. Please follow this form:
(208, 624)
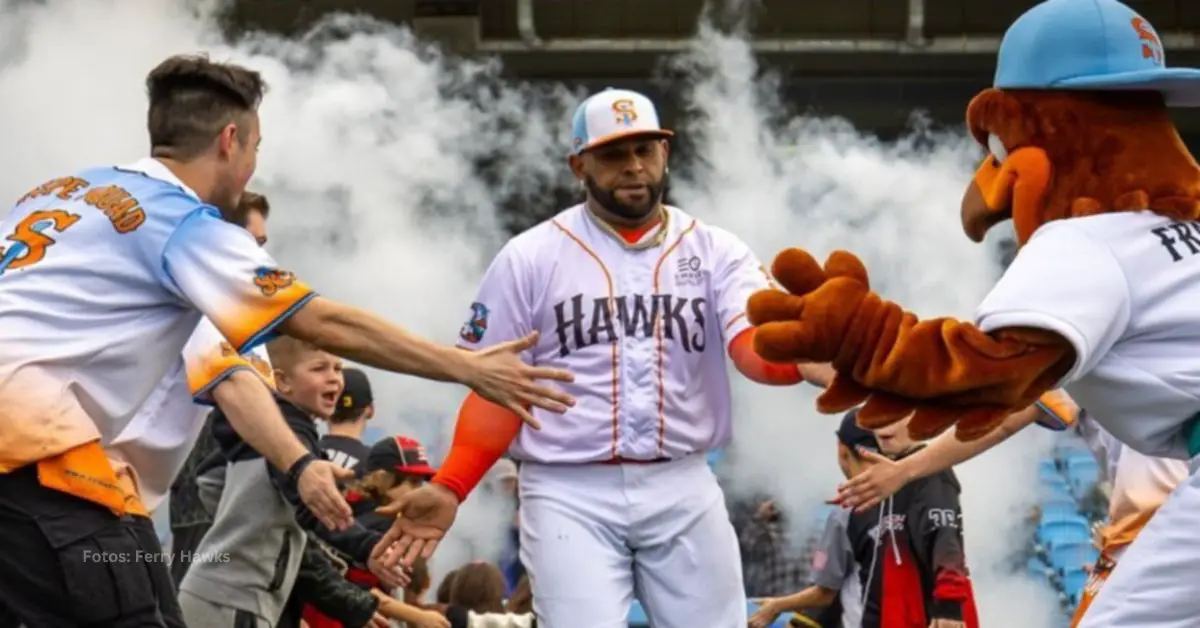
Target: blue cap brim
(1180, 87)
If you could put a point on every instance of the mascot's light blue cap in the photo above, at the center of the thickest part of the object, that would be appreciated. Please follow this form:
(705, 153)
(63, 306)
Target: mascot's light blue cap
(1090, 45)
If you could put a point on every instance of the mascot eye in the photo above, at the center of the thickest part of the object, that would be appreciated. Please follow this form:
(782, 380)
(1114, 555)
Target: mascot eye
(996, 147)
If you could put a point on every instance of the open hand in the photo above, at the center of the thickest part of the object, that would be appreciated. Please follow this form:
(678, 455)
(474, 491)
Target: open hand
(501, 377)
(881, 479)
(392, 578)
(318, 488)
(422, 518)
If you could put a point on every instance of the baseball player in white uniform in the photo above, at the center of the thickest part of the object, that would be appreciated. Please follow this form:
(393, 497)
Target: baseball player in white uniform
(104, 276)
(643, 302)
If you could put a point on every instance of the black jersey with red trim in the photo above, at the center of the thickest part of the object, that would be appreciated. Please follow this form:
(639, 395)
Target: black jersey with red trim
(911, 559)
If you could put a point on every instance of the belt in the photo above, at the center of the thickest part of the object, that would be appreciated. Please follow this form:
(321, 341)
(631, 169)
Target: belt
(1192, 430)
(624, 460)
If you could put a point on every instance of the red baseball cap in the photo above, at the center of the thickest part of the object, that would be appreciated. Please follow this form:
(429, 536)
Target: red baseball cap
(400, 454)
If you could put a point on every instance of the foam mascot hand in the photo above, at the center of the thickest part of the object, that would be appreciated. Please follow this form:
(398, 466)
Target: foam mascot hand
(810, 321)
(945, 371)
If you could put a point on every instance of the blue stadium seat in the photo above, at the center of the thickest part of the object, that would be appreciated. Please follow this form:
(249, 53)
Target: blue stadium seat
(1073, 582)
(1056, 485)
(1072, 517)
(1037, 569)
(1064, 531)
(1059, 508)
(1082, 473)
(1069, 556)
(1077, 458)
(1048, 470)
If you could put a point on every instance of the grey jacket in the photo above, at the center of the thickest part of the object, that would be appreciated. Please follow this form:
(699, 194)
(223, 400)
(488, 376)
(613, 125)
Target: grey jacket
(250, 557)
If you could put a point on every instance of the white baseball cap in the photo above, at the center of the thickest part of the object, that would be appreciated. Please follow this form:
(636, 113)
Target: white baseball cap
(612, 115)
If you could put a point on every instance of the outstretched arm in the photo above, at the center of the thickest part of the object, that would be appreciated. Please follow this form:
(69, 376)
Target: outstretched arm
(886, 476)
(1054, 314)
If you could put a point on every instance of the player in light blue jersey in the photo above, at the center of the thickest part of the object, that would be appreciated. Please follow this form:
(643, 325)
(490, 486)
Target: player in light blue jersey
(104, 275)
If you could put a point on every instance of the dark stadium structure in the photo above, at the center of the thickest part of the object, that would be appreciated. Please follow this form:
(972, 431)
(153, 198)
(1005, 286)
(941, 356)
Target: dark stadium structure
(871, 61)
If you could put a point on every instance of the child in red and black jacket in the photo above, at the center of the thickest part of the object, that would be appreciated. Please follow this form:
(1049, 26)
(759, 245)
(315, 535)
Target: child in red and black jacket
(393, 466)
(910, 552)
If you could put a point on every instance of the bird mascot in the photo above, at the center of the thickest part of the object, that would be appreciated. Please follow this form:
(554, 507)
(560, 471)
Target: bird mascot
(1102, 299)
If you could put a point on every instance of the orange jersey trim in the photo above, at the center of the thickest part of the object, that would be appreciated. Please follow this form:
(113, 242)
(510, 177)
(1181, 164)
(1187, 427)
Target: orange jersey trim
(208, 370)
(616, 363)
(659, 345)
(253, 324)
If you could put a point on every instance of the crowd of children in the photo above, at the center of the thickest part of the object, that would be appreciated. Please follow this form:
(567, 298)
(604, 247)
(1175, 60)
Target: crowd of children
(279, 566)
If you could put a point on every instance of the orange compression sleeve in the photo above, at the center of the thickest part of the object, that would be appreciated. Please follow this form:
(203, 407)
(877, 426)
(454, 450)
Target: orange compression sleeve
(482, 434)
(756, 369)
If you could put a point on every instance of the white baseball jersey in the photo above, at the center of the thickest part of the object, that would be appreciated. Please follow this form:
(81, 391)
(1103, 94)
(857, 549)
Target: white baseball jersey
(1123, 290)
(643, 327)
(103, 279)
(158, 440)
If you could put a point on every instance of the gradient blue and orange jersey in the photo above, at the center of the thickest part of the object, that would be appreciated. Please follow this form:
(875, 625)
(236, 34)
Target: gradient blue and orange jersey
(104, 276)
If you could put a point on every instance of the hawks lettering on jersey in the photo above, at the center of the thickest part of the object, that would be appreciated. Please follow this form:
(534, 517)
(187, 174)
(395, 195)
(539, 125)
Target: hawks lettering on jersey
(643, 329)
(581, 324)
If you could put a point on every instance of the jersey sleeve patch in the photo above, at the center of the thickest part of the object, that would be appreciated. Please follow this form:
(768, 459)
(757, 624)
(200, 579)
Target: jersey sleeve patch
(473, 330)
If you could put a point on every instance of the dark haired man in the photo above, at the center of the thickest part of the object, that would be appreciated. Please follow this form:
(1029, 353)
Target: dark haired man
(343, 443)
(104, 276)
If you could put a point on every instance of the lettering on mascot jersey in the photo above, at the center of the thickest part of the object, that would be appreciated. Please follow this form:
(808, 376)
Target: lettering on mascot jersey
(581, 322)
(943, 518)
(1178, 238)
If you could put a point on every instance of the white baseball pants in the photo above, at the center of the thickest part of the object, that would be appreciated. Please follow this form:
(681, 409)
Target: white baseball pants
(1155, 584)
(594, 536)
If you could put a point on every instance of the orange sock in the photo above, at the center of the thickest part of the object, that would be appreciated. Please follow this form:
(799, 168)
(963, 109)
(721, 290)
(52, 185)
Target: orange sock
(481, 436)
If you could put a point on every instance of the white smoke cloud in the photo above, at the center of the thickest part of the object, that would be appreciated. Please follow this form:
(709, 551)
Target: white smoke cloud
(778, 180)
(386, 165)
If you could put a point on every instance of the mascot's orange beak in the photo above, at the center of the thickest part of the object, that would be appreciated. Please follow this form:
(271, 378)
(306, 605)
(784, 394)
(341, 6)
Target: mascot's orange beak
(1013, 189)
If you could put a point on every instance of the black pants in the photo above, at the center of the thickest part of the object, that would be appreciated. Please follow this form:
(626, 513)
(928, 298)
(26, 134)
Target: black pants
(65, 561)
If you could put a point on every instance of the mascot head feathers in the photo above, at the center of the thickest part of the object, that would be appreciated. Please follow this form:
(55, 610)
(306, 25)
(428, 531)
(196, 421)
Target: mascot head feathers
(1077, 122)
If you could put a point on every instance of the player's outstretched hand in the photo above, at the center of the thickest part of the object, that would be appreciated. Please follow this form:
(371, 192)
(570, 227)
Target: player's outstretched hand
(422, 518)
(318, 488)
(502, 378)
(881, 479)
